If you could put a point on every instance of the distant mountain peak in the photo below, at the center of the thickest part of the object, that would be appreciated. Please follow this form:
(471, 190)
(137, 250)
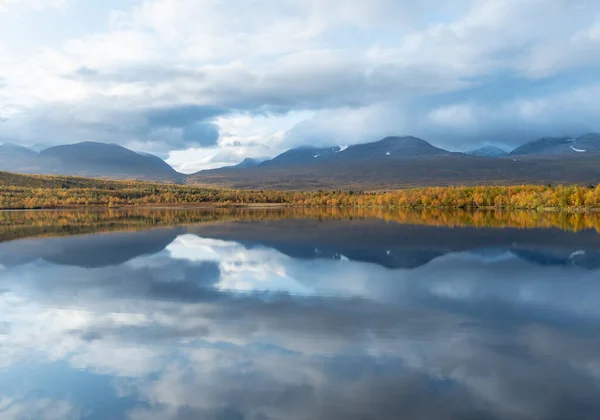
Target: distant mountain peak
(88, 158)
(560, 145)
(248, 163)
(402, 146)
(488, 151)
(403, 138)
(397, 146)
(15, 149)
(589, 136)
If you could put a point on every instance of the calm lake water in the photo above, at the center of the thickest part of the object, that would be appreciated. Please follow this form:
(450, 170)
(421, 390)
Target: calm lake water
(257, 315)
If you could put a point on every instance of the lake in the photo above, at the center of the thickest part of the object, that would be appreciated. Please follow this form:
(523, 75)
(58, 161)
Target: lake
(299, 314)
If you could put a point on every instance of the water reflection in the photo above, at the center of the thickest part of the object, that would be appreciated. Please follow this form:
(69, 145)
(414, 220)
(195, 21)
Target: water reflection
(22, 224)
(301, 319)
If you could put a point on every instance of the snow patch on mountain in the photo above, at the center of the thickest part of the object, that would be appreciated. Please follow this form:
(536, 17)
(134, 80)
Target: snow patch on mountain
(342, 148)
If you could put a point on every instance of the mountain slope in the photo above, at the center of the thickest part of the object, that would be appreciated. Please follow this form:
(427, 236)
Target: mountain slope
(248, 163)
(86, 159)
(106, 160)
(391, 146)
(156, 161)
(560, 146)
(10, 149)
(488, 151)
(401, 162)
(395, 172)
(14, 157)
(300, 155)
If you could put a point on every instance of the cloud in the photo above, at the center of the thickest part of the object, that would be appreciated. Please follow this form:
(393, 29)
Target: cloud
(33, 4)
(165, 77)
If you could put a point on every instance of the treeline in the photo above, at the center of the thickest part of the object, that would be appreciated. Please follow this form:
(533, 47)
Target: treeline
(39, 192)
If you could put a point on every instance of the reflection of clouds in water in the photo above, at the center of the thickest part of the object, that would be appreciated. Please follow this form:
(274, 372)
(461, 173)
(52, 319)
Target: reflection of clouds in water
(241, 269)
(40, 409)
(498, 276)
(173, 327)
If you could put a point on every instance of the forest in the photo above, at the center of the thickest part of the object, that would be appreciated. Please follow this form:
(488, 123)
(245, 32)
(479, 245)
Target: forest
(46, 192)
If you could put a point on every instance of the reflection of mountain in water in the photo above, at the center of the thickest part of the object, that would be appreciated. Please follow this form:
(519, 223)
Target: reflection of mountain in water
(406, 246)
(386, 244)
(582, 258)
(98, 250)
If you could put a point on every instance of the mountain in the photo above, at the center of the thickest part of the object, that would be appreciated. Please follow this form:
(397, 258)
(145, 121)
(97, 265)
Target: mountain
(409, 172)
(14, 158)
(248, 163)
(589, 142)
(392, 146)
(560, 146)
(86, 159)
(107, 160)
(404, 162)
(488, 151)
(300, 155)
(38, 147)
(382, 149)
(10, 149)
(156, 161)
(392, 162)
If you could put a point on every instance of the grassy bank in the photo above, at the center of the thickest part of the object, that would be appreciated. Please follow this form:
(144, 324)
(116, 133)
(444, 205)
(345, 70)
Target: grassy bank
(43, 192)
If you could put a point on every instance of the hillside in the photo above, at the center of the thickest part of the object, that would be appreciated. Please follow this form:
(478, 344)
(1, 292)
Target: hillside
(400, 172)
(391, 146)
(588, 143)
(87, 159)
(18, 158)
(106, 160)
(488, 151)
(64, 182)
(9, 149)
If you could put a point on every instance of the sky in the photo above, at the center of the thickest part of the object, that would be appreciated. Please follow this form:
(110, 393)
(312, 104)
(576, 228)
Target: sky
(206, 83)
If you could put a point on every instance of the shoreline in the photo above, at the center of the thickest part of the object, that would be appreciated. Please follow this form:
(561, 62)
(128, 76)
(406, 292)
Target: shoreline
(267, 206)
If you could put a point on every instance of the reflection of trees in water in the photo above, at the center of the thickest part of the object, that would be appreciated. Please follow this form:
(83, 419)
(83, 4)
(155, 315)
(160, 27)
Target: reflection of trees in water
(20, 224)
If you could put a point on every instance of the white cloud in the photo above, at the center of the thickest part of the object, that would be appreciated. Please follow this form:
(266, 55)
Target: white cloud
(460, 115)
(388, 67)
(33, 4)
(240, 136)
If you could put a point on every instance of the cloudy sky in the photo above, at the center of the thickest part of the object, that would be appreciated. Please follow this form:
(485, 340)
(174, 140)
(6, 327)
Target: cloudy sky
(204, 83)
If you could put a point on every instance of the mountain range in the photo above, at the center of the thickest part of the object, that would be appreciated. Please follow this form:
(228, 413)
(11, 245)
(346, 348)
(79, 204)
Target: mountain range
(87, 159)
(393, 162)
(401, 162)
